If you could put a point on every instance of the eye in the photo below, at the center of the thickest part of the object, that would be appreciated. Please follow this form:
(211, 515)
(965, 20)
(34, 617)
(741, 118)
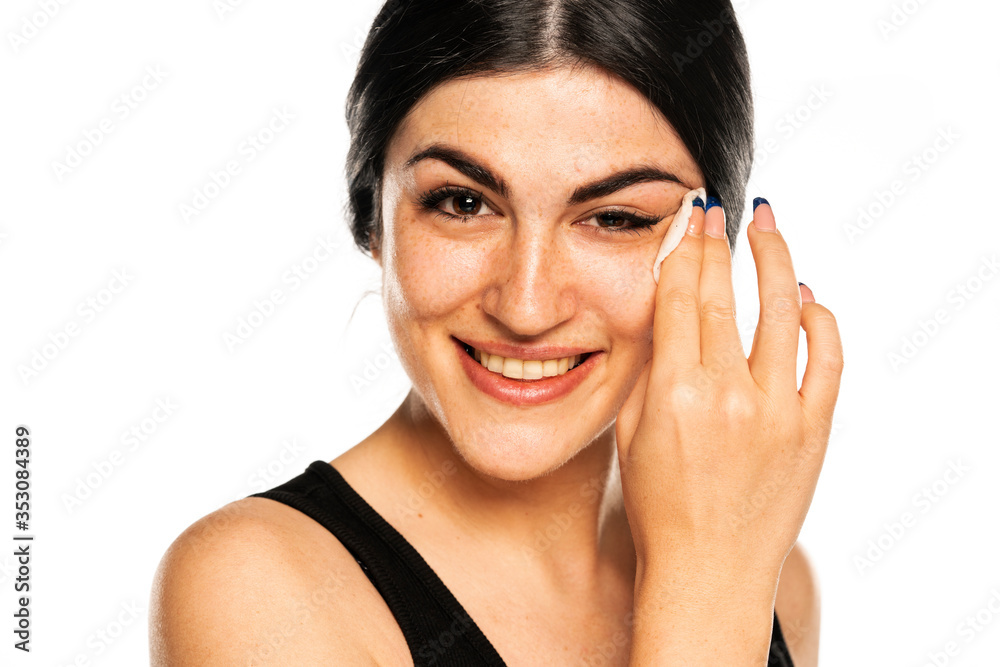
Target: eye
(614, 221)
(459, 202)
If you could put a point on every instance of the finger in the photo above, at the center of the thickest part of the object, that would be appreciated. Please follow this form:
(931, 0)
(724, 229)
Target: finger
(821, 380)
(676, 328)
(776, 340)
(631, 410)
(720, 338)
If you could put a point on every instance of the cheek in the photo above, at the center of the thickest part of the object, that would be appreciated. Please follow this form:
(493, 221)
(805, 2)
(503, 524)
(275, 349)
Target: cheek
(430, 276)
(433, 276)
(622, 283)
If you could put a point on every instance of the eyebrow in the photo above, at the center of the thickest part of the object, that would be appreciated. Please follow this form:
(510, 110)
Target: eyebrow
(469, 167)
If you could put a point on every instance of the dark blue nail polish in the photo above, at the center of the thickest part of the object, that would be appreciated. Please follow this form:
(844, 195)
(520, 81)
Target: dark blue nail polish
(712, 201)
(758, 201)
(698, 202)
(801, 284)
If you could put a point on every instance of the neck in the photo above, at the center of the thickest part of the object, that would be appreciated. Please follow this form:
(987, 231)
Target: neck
(569, 524)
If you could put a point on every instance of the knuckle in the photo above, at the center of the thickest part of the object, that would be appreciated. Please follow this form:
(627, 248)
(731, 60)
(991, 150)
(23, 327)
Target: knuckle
(680, 300)
(684, 395)
(722, 364)
(717, 256)
(736, 405)
(827, 315)
(686, 256)
(833, 362)
(773, 248)
(782, 308)
(718, 310)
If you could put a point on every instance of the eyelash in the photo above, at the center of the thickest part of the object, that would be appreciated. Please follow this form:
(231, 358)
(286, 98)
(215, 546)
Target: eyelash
(432, 198)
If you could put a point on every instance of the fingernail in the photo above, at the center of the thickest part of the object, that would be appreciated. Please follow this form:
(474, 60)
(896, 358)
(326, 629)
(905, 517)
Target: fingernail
(715, 219)
(697, 222)
(807, 294)
(763, 219)
(712, 202)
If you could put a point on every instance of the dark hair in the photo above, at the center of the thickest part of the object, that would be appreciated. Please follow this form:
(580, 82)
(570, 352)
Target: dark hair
(686, 56)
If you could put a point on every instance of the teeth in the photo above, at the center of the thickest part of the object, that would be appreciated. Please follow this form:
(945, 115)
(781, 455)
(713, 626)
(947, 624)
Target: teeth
(518, 369)
(513, 368)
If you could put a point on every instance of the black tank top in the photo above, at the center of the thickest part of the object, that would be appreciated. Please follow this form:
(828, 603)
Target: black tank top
(437, 629)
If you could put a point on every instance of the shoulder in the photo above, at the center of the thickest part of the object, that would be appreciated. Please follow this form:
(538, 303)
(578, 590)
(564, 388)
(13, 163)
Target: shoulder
(257, 581)
(797, 607)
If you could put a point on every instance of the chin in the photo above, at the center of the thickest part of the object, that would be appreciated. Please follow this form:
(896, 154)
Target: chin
(516, 452)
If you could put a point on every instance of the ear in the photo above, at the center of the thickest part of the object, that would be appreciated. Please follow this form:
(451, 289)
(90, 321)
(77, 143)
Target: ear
(374, 248)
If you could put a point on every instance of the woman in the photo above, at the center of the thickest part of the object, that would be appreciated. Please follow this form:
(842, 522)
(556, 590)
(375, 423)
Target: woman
(588, 470)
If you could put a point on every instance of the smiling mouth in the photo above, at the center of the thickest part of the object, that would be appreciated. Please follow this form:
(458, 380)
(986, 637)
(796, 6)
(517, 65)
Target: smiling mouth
(525, 370)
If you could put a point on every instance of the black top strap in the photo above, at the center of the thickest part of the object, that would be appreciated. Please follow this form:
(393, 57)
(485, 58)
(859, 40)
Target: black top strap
(437, 628)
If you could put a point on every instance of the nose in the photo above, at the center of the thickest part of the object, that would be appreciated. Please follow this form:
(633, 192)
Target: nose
(531, 282)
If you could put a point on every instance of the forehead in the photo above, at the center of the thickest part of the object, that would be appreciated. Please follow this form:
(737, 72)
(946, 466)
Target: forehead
(557, 121)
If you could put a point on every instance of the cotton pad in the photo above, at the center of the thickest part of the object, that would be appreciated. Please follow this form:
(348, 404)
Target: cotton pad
(678, 228)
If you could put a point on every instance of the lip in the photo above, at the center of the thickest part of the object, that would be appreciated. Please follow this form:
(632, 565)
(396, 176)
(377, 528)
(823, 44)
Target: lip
(537, 353)
(525, 392)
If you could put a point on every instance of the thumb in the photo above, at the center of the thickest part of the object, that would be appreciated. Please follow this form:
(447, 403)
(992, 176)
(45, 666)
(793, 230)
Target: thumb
(628, 416)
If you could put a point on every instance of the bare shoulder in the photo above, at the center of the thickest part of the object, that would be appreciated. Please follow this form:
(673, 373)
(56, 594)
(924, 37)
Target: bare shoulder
(797, 607)
(257, 582)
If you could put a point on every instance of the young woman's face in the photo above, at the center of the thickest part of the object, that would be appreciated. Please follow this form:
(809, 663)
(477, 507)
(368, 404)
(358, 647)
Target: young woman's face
(522, 251)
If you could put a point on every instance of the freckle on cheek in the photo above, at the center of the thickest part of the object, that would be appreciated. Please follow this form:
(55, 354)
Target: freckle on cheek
(432, 279)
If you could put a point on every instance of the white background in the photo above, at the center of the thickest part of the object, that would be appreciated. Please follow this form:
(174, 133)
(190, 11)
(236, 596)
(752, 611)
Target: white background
(884, 98)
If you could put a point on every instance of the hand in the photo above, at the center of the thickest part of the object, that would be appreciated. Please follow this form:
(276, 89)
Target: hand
(719, 453)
